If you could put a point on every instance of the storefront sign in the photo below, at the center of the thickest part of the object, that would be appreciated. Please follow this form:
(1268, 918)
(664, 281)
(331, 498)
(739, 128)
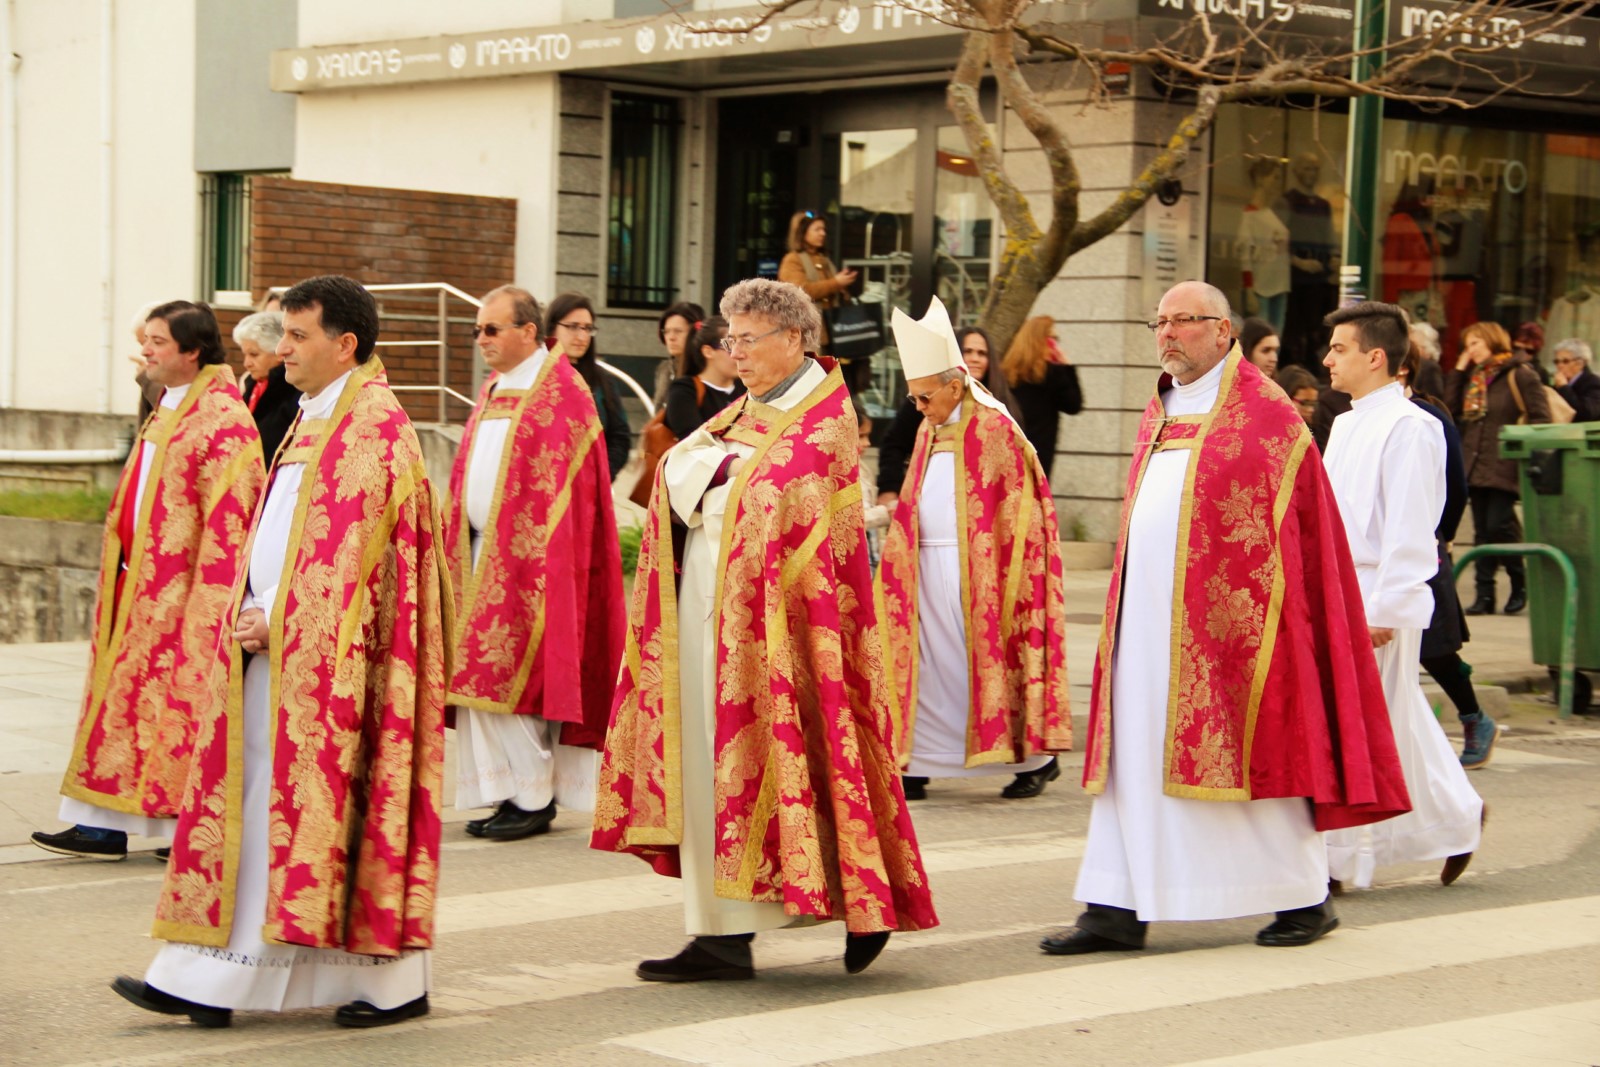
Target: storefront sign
(1334, 18)
(614, 42)
(1168, 248)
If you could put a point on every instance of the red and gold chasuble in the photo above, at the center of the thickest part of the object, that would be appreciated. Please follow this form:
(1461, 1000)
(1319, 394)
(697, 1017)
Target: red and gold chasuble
(550, 564)
(1012, 591)
(358, 658)
(809, 807)
(154, 643)
(1274, 689)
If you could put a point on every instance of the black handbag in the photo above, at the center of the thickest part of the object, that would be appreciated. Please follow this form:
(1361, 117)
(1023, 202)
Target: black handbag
(855, 331)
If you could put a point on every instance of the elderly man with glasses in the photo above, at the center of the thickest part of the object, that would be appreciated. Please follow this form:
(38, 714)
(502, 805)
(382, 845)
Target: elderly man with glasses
(749, 745)
(1577, 384)
(1236, 708)
(970, 592)
(536, 568)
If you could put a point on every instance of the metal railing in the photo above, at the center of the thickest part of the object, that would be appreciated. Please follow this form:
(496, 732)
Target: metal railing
(444, 292)
(1569, 611)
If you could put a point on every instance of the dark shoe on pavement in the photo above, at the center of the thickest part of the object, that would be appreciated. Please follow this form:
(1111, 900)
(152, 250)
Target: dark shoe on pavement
(475, 826)
(915, 788)
(150, 998)
(1481, 734)
(164, 853)
(1516, 601)
(1335, 887)
(511, 823)
(1484, 605)
(704, 959)
(1456, 866)
(74, 842)
(1032, 783)
(360, 1014)
(861, 949)
(1075, 942)
(1290, 932)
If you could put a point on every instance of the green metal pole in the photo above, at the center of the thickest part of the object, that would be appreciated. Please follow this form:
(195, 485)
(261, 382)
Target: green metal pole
(1361, 159)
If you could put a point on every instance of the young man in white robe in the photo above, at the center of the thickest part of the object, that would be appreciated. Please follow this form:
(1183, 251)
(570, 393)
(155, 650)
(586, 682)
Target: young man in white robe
(1385, 461)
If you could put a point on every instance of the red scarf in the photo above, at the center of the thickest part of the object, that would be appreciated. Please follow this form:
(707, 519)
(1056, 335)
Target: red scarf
(1475, 404)
(257, 391)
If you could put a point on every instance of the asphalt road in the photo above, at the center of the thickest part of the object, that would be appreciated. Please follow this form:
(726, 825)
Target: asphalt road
(538, 939)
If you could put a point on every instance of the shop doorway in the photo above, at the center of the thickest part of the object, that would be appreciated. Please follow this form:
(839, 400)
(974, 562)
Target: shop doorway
(891, 174)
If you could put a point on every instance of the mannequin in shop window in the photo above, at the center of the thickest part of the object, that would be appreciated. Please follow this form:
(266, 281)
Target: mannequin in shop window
(1313, 262)
(1264, 246)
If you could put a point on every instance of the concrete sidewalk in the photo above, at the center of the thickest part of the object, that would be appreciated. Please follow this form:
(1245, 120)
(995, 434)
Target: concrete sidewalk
(41, 687)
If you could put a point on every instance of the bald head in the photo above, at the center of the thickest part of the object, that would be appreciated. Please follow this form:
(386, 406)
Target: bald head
(1195, 332)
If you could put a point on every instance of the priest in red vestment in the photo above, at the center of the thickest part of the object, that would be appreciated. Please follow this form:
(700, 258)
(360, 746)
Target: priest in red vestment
(970, 591)
(749, 751)
(306, 863)
(168, 558)
(1246, 666)
(537, 573)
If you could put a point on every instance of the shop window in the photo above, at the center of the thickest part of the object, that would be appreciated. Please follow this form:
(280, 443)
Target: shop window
(1277, 220)
(1489, 222)
(642, 199)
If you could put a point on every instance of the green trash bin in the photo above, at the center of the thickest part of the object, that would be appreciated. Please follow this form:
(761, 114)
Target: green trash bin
(1560, 474)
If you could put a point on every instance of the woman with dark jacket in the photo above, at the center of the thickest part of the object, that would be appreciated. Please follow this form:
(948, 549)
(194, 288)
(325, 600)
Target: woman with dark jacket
(271, 399)
(1447, 631)
(1483, 401)
(569, 322)
(894, 451)
(710, 383)
(1044, 383)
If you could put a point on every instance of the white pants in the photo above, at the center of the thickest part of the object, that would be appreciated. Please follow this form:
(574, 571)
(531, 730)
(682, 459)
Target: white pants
(250, 974)
(82, 813)
(944, 687)
(520, 758)
(1445, 809)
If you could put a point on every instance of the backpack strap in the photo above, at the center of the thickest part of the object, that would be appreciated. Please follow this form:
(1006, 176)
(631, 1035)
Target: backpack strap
(1516, 393)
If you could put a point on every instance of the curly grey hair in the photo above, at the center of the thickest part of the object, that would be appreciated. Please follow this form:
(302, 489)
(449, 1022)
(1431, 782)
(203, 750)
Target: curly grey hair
(265, 328)
(786, 306)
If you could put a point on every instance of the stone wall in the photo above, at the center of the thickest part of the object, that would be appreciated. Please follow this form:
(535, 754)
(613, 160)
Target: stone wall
(1098, 300)
(47, 579)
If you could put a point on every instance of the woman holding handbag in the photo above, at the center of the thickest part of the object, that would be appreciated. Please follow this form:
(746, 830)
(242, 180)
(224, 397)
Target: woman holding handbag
(809, 267)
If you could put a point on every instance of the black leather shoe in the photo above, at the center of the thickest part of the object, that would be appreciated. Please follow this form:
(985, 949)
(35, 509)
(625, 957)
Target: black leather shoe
(1515, 602)
(861, 949)
(475, 826)
(705, 959)
(150, 998)
(1076, 942)
(915, 788)
(163, 854)
(511, 823)
(1288, 933)
(360, 1014)
(1032, 783)
(74, 842)
(1484, 605)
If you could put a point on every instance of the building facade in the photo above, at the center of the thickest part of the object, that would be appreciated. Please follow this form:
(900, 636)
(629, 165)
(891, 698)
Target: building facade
(644, 157)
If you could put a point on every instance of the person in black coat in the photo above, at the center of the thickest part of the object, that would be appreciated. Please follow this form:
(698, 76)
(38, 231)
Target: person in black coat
(711, 384)
(569, 322)
(1044, 384)
(1575, 381)
(271, 399)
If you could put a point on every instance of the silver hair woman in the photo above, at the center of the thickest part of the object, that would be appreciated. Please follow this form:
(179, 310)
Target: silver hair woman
(257, 336)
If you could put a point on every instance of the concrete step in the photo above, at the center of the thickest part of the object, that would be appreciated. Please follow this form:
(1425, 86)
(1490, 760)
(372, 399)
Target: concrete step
(1493, 699)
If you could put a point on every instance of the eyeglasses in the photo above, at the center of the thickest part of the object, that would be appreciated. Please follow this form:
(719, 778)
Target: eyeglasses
(733, 344)
(1568, 359)
(579, 327)
(922, 399)
(492, 330)
(1180, 320)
